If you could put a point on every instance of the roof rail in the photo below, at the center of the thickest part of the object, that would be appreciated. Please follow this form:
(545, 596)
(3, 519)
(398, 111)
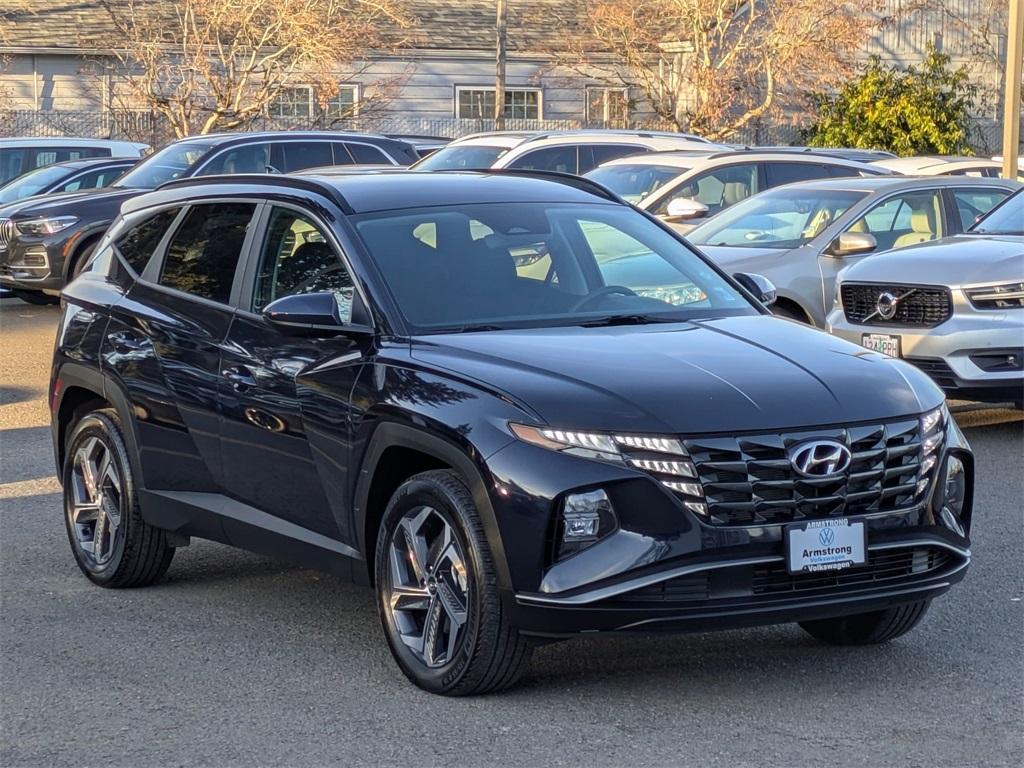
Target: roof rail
(305, 184)
(568, 179)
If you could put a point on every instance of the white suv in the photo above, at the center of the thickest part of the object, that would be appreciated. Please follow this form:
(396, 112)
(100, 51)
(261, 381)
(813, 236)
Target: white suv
(573, 152)
(18, 156)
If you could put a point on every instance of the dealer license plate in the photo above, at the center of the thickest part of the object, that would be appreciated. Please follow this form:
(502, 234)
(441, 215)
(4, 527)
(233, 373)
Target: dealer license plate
(882, 342)
(825, 545)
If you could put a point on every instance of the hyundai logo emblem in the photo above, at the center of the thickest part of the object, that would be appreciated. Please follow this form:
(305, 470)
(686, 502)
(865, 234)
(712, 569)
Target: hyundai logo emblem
(886, 305)
(820, 458)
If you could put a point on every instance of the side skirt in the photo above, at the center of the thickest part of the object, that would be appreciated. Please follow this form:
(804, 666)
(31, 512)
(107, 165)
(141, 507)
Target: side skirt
(220, 518)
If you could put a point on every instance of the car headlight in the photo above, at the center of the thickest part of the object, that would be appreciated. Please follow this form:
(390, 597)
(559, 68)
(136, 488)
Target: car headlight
(1005, 296)
(46, 225)
(933, 432)
(664, 458)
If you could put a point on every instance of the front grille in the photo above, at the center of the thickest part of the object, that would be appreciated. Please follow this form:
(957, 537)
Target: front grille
(6, 233)
(772, 579)
(750, 480)
(917, 306)
(882, 565)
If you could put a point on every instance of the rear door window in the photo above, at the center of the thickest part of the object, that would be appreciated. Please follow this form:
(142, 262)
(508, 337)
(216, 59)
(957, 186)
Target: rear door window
(780, 173)
(203, 254)
(306, 154)
(92, 180)
(593, 155)
(561, 159)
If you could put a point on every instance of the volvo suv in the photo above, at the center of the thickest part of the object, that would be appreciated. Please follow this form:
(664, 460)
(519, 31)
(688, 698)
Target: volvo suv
(517, 407)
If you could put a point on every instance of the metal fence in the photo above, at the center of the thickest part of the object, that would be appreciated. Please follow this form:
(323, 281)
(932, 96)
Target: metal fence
(152, 128)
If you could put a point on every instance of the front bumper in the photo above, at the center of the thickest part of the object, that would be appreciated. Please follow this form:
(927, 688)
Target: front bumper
(750, 591)
(945, 352)
(30, 267)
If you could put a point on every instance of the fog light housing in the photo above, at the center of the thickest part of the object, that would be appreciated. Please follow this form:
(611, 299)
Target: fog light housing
(586, 518)
(954, 495)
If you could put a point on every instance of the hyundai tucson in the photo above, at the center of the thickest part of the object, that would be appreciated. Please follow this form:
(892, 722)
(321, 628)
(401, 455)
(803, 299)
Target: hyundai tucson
(517, 407)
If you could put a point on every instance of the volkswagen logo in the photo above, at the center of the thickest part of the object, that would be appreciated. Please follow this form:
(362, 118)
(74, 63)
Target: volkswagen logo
(820, 458)
(886, 305)
(826, 537)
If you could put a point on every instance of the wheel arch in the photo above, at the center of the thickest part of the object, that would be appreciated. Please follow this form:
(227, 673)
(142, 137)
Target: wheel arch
(411, 451)
(76, 247)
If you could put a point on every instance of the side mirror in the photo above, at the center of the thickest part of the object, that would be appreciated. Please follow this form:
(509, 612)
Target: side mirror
(758, 285)
(310, 313)
(685, 208)
(852, 243)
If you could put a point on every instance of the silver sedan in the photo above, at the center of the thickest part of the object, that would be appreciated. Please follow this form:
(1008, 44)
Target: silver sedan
(800, 236)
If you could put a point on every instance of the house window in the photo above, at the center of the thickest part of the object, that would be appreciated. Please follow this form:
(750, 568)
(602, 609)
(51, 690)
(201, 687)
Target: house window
(521, 103)
(299, 101)
(607, 105)
(343, 103)
(295, 101)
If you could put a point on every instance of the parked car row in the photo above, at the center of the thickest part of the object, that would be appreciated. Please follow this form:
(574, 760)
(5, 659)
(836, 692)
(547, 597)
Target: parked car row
(796, 215)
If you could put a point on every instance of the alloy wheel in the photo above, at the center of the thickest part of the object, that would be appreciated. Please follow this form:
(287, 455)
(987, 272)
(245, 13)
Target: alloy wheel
(428, 588)
(94, 500)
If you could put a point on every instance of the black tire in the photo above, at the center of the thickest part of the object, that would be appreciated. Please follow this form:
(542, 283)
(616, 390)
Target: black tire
(868, 628)
(137, 553)
(80, 260)
(37, 298)
(490, 654)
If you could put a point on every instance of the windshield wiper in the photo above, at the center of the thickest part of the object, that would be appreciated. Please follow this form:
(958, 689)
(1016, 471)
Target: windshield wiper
(633, 319)
(469, 328)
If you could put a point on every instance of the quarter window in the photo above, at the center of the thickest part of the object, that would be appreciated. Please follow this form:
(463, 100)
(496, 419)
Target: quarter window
(297, 258)
(788, 173)
(203, 254)
(137, 245)
(364, 153)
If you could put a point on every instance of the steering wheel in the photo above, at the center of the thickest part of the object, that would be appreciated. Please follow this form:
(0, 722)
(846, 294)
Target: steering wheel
(608, 290)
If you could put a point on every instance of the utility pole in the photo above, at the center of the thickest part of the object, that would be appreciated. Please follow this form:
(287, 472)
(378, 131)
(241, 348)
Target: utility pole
(1014, 73)
(499, 82)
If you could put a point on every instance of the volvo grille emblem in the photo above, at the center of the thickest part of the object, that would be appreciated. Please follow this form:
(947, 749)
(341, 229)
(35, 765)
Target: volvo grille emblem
(820, 458)
(886, 305)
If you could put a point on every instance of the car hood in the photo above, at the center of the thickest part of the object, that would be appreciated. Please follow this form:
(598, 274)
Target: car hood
(47, 205)
(954, 261)
(726, 375)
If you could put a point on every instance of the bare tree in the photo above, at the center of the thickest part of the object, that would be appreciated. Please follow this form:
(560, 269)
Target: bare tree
(713, 66)
(208, 65)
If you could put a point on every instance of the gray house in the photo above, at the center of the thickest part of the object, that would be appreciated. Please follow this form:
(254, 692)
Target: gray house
(444, 83)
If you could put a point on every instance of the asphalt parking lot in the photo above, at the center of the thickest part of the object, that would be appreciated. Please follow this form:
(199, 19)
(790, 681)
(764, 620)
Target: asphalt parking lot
(237, 659)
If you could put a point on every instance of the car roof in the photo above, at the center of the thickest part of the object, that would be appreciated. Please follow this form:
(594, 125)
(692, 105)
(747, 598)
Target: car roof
(393, 190)
(68, 141)
(687, 159)
(933, 163)
(251, 136)
(90, 162)
(891, 183)
(657, 140)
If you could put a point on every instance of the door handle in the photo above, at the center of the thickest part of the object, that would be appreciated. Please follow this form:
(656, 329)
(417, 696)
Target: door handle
(241, 378)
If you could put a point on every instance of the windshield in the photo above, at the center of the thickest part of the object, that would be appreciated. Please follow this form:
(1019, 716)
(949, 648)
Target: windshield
(635, 182)
(473, 157)
(779, 218)
(31, 183)
(167, 164)
(1005, 219)
(493, 266)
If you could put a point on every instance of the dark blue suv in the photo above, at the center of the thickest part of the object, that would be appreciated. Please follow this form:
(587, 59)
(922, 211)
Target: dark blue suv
(518, 407)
